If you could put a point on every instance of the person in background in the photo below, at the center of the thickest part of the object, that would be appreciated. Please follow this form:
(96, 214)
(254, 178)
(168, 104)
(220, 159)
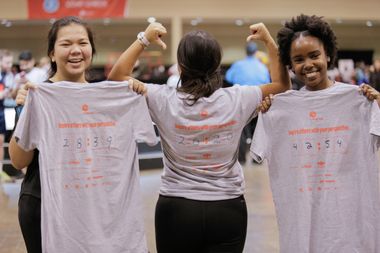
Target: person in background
(248, 71)
(28, 72)
(6, 84)
(174, 76)
(374, 76)
(361, 73)
(8, 77)
(44, 64)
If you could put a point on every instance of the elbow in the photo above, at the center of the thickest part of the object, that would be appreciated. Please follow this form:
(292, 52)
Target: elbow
(17, 166)
(19, 158)
(17, 162)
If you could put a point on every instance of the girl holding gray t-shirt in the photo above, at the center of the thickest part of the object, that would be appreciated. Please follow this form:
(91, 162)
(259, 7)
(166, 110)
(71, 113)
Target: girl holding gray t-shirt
(201, 207)
(70, 48)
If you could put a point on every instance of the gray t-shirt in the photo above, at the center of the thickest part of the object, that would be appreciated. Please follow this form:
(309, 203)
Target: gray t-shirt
(321, 148)
(200, 142)
(87, 135)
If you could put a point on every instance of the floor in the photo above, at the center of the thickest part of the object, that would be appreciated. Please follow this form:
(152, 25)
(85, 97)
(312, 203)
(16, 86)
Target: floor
(262, 233)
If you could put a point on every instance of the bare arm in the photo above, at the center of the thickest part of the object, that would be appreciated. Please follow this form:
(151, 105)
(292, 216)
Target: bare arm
(279, 74)
(122, 70)
(19, 157)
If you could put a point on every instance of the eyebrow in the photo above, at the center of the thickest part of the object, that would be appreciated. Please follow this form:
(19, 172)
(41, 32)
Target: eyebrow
(312, 52)
(315, 51)
(69, 40)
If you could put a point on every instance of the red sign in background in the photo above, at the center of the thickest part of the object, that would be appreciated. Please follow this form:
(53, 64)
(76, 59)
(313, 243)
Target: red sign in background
(46, 9)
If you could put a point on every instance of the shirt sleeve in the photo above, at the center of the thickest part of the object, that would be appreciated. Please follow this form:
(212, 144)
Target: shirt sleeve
(27, 130)
(251, 98)
(143, 130)
(375, 123)
(156, 99)
(260, 145)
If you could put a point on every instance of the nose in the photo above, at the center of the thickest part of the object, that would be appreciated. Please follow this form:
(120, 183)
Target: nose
(308, 64)
(75, 49)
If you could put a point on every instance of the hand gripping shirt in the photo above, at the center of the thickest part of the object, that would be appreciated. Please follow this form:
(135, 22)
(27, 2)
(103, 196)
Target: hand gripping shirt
(200, 142)
(87, 137)
(321, 148)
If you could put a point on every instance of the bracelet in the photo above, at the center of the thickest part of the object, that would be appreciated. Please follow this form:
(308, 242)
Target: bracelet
(142, 39)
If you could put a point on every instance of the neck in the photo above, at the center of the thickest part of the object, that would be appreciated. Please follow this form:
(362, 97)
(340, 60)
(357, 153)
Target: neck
(326, 84)
(75, 79)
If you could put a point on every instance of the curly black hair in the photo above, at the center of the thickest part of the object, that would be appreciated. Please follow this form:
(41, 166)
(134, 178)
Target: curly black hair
(307, 26)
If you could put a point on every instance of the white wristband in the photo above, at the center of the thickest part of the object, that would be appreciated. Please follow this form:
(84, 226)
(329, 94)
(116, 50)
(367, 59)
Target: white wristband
(142, 39)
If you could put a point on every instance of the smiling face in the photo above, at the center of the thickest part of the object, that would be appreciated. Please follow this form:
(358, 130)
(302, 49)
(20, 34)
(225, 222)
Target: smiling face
(72, 53)
(309, 62)
(6, 63)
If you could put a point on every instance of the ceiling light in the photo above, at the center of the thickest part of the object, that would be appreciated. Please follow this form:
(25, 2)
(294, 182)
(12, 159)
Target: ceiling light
(151, 19)
(239, 22)
(106, 21)
(194, 22)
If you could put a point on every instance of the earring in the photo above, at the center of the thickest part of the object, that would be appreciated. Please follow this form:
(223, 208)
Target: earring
(328, 58)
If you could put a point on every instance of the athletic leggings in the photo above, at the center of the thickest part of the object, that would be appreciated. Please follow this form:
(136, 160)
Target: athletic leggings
(192, 226)
(29, 216)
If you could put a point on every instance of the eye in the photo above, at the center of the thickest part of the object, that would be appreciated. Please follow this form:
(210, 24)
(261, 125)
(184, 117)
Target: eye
(84, 43)
(315, 56)
(297, 59)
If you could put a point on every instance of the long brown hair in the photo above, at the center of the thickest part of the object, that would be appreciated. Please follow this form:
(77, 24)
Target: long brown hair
(199, 56)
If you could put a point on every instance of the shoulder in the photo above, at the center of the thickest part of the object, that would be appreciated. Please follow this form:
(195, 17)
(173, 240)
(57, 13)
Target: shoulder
(242, 90)
(154, 90)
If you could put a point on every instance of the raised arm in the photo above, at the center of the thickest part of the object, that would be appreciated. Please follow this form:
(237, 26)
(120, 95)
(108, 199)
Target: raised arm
(278, 72)
(122, 70)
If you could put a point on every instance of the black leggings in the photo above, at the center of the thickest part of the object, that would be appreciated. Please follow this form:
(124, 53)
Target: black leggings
(29, 216)
(191, 226)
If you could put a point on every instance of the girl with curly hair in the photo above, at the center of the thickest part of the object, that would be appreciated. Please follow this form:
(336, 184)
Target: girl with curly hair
(321, 144)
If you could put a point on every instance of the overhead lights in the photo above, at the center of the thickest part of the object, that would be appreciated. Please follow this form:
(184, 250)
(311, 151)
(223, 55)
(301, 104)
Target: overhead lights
(6, 23)
(151, 19)
(196, 21)
(239, 22)
(106, 21)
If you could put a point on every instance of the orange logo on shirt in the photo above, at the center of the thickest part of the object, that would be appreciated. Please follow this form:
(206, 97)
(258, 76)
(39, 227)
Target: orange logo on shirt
(204, 113)
(313, 115)
(85, 108)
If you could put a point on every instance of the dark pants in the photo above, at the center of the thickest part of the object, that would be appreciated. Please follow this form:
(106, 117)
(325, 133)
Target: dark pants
(29, 216)
(191, 226)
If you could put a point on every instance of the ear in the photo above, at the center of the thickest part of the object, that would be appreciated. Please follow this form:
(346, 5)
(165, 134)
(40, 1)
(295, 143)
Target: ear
(51, 56)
